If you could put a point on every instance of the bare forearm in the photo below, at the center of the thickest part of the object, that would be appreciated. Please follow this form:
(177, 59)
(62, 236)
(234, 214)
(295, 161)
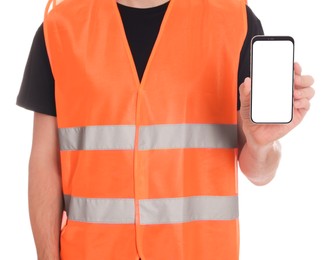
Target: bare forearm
(259, 164)
(45, 208)
(45, 192)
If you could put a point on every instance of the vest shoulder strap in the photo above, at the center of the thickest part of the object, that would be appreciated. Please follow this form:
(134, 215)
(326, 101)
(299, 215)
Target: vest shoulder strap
(50, 5)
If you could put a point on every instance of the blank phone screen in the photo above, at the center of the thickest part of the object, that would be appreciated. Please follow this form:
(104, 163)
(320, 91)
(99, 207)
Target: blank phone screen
(272, 80)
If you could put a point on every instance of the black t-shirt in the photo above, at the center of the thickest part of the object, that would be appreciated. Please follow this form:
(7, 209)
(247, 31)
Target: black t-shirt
(141, 27)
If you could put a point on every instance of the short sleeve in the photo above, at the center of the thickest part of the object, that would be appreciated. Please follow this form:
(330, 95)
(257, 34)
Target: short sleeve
(254, 28)
(37, 87)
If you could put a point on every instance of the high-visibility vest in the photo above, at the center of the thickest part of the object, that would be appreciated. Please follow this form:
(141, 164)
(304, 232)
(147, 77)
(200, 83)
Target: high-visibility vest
(148, 168)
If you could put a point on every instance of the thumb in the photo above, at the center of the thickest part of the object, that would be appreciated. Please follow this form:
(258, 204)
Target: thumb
(244, 90)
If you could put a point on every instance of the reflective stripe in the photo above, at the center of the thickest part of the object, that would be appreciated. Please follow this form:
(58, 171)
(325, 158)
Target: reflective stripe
(152, 211)
(97, 138)
(110, 211)
(180, 210)
(176, 136)
(187, 136)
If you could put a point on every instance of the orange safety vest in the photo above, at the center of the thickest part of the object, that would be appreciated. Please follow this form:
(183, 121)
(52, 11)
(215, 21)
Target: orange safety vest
(148, 168)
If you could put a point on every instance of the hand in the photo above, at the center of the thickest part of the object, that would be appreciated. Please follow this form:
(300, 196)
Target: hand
(265, 134)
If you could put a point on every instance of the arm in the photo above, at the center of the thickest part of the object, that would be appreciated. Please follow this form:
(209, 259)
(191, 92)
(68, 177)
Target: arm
(259, 148)
(45, 194)
(258, 162)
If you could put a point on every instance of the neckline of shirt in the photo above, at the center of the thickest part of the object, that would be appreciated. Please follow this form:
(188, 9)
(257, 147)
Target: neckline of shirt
(139, 11)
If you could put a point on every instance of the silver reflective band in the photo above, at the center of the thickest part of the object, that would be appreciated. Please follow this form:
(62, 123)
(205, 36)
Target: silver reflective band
(187, 136)
(108, 211)
(122, 137)
(97, 138)
(180, 210)
(152, 211)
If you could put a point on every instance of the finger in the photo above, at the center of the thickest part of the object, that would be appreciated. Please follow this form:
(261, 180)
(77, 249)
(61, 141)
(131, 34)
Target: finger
(302, 104)
(303, 81)
(301, 93)
(298, 68)
(245, 88)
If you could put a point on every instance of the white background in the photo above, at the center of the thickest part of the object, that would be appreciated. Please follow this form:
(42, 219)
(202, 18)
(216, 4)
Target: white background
(291, 218)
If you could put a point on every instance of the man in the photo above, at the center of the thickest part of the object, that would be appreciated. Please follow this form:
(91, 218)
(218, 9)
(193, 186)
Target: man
(136, 125)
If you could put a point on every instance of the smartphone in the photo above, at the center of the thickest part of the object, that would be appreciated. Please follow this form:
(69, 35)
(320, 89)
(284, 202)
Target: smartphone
(272, 76)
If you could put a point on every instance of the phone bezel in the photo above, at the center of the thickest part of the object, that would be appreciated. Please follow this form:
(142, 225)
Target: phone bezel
(271, 38)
